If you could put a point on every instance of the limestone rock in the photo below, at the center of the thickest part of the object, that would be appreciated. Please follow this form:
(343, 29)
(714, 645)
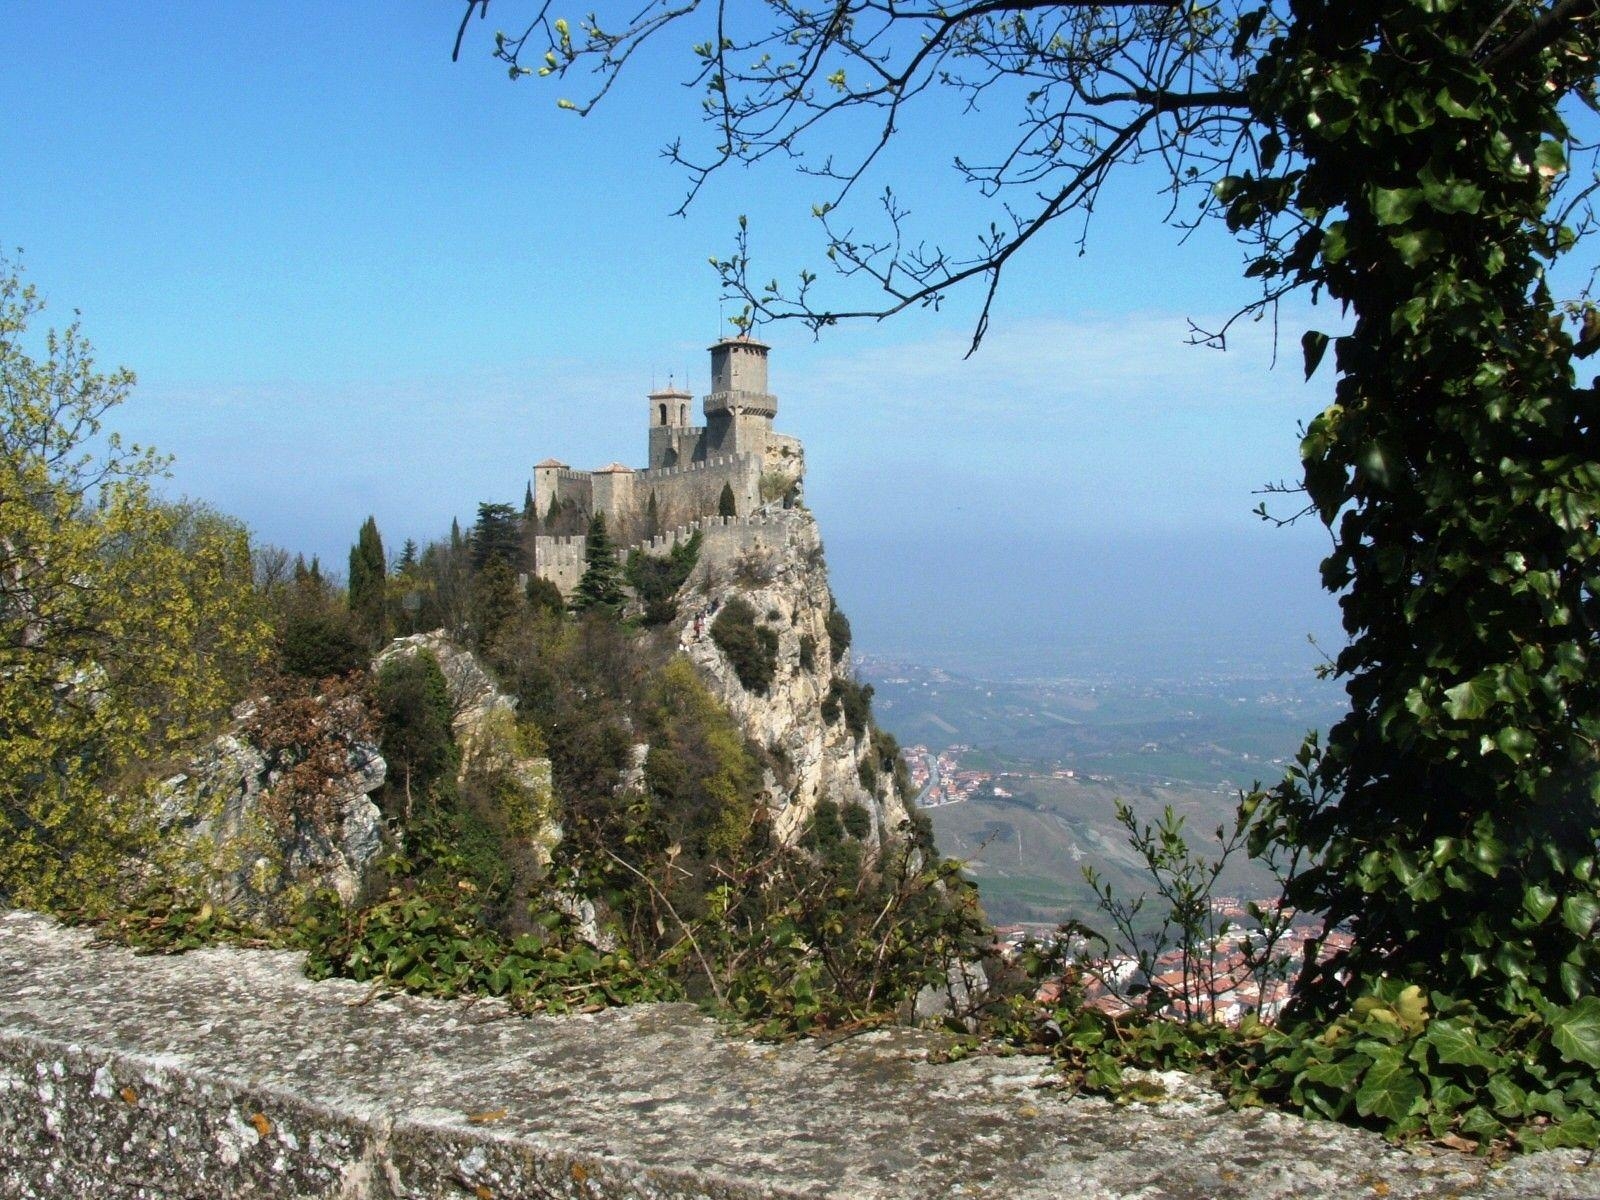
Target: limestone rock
(483, 722)
(786, 583)
(218, 827)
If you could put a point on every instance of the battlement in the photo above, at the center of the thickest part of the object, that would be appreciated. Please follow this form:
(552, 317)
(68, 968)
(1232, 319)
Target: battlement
(718, 462)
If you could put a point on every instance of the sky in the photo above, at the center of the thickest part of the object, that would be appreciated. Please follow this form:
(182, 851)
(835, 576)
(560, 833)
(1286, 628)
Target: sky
(356, 278)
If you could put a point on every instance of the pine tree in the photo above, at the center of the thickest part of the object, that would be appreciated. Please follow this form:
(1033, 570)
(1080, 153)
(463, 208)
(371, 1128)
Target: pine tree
(368, 577)
(726, 505)
(530, 512)
(408, 556)
(601, 585)
(497, 534)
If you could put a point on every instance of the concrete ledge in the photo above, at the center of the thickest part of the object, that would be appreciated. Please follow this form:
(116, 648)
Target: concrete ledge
(227, 1073)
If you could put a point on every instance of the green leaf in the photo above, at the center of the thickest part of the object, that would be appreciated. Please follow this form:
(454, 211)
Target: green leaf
(1470, 700)
(1391, 1089)
(1575, 1032)
(1580, 913)
(1395, 206)
(1314, 345)
(1538, 901)
(1456, 1044)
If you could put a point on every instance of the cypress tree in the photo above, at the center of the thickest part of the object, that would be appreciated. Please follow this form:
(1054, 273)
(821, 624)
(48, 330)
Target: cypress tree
(652, 518)
(368, 575)
(726, 505)
(601, 585)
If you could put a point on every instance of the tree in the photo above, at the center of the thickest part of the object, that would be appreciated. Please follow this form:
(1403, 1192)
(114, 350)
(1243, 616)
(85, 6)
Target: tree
(652, 517)
(1408, 160)
(126, 624)
(726, 505)
(496, 534)
(601, 585)
(369, 572)
(414, 705)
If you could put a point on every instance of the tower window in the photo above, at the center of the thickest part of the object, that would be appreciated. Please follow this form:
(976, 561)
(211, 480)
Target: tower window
(663, 414)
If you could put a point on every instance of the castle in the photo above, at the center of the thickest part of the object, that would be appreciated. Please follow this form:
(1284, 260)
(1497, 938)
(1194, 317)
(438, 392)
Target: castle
(681, 489)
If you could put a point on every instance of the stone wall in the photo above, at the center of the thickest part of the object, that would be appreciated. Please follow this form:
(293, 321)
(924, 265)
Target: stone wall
(560, 560)
(228, 1073)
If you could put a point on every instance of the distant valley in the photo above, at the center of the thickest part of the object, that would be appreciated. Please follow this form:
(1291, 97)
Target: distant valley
(1029, 771)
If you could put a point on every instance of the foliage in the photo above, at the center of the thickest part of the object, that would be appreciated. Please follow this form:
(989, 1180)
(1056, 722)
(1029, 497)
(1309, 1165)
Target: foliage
(428, 935)
(657, 578)
(543, 596)
(752, 649)
(808, 652)
(1454, 811)
(600, 589)
(307, 731)
(495, 601)
(838, 630)
(851, 700)
(369, 575)
(726, 505)
(316, 645)
(126, 624)
(497, 534)
(414, 710)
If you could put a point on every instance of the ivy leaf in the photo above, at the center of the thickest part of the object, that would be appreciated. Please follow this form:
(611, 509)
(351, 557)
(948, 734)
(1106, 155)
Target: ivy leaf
(1395, 206)
(1575, 1033)
(1579, 913)
(1391, 1089)
(1455, 1043)
(1470, 700)
(1314, 345)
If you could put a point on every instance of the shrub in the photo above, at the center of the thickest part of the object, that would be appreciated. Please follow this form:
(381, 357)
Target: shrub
(808, 652)
(838, 634)
(751, 648)
(658, 578)
(544, 596)
(850, 699)
(857, 821)
(317, 646)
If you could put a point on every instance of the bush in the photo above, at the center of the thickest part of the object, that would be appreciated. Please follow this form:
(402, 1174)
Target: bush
(857, 821)
(838, 634)
(414, 722)
(751, 648)
(850, 699)
(808, 652)
(658, 578)
(317, 646)
(544, 596)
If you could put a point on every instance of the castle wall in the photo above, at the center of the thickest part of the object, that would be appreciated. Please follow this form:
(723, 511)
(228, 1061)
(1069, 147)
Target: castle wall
(562, 484)
(686, 493)
(560, 560)
(677, 447)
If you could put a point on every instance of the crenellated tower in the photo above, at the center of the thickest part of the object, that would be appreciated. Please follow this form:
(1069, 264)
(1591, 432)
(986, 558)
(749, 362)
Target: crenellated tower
(739, 410)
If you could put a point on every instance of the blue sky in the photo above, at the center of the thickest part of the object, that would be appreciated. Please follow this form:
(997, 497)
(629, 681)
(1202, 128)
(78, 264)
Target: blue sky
(356, 278)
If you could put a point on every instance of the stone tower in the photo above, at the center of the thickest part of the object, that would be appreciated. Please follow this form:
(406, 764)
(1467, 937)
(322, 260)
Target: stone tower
(672, 439)
(739, 410)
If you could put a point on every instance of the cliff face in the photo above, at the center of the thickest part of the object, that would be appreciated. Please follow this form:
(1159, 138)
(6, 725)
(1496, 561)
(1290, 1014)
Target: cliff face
(817, 755)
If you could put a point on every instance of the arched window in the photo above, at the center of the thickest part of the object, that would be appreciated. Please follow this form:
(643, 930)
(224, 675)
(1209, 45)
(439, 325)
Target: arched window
(663, 414)
(683, 414)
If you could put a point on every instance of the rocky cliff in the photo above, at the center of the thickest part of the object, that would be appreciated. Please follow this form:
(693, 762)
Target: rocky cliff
(798, 718)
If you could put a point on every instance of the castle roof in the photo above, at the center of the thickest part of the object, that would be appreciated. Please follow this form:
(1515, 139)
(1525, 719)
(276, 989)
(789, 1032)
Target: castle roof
(615, 468)
(743, 339)
(675, 392)
(549, 462)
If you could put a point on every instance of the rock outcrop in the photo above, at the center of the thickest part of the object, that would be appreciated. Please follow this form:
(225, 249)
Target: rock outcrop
(228, 838)
(483, 722)
(818, 758)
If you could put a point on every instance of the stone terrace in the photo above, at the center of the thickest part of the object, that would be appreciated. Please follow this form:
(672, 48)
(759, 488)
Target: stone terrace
(227, 1073)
